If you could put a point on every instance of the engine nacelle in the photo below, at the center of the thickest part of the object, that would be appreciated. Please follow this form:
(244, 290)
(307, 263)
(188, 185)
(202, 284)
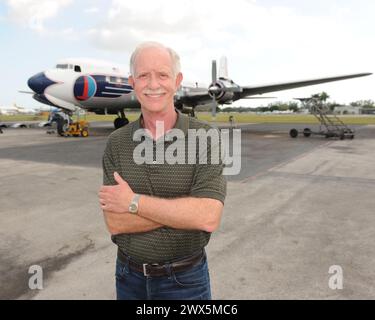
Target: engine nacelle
(219, 91)
(225, 97)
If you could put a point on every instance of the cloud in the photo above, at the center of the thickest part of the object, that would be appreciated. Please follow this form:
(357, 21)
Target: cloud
(34, 13)
(208, 26)
(263, 42)
(243, 30)
(91, 10)
(128, 23)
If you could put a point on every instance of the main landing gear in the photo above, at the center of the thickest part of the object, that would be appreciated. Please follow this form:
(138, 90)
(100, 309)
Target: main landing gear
(121, 121)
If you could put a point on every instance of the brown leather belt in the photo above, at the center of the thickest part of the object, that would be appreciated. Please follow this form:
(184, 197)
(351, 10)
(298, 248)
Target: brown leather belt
(158, 270)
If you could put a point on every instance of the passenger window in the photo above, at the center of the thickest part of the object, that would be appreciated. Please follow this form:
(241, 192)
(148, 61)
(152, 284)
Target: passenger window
(77, 68)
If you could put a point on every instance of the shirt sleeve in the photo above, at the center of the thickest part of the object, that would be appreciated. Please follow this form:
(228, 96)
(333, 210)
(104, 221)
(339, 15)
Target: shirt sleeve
(208, 181)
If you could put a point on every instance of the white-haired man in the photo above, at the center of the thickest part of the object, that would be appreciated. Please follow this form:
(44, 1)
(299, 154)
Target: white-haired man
(160, 215)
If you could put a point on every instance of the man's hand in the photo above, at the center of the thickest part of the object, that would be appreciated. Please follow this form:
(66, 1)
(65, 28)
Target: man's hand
(116, 198)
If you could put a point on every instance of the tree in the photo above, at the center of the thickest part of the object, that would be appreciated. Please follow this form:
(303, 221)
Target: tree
(332, 106)
(363, 104)
(293, 106)
(274, 107)
(321, 97)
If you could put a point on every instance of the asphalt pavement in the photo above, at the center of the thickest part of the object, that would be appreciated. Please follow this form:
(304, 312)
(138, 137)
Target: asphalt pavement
(297, 208)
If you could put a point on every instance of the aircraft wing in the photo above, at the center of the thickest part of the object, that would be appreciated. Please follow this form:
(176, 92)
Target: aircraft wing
(260, 89)
(26, 91)
(194, 98)
(202, 97)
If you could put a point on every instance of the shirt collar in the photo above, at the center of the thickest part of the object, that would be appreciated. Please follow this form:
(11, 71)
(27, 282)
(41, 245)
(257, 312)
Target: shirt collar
(182, 123)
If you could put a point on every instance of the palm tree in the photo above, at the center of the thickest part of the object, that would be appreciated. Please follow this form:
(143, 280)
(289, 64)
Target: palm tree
(322, 97)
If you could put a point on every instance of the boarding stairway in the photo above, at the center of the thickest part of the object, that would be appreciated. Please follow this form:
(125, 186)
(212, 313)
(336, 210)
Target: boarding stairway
(330, 124)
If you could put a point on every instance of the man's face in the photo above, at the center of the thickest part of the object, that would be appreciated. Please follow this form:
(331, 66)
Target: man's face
(154, 82)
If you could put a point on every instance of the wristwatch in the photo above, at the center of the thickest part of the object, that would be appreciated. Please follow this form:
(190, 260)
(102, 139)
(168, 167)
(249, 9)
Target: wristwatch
(133, 206)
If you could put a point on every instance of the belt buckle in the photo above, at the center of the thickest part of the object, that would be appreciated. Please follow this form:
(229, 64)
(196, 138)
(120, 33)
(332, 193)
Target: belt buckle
(145, 273)
(145, 269)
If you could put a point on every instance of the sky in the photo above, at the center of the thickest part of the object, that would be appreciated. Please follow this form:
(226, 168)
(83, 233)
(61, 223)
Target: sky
(265, 41)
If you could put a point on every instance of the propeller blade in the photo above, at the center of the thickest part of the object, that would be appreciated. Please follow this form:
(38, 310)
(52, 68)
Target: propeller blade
(214, 106)
(214, 71)
(223, 68)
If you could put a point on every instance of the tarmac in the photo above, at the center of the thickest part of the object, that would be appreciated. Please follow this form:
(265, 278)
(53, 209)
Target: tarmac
(297, 208)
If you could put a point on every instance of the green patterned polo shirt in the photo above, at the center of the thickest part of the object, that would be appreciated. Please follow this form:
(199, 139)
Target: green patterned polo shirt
(163, 180)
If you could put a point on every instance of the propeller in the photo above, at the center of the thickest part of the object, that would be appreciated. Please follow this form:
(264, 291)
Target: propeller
(217, 89)
(214, 89)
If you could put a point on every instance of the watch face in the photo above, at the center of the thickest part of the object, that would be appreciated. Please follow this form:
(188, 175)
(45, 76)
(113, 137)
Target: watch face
(133, 207)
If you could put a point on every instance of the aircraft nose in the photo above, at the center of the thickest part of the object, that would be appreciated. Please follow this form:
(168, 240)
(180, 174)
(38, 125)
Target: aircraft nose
(39, 82)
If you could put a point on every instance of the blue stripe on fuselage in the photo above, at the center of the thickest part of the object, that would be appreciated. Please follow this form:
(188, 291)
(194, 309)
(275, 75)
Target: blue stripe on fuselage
(107, 89)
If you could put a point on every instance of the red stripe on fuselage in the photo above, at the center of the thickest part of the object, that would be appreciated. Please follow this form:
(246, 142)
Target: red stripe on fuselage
(85, 90)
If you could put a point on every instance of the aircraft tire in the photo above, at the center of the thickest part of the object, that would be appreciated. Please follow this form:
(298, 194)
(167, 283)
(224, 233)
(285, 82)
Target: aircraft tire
(120, 122)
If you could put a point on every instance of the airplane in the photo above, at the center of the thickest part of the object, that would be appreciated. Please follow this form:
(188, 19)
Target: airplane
(15, 109)
(102, 87)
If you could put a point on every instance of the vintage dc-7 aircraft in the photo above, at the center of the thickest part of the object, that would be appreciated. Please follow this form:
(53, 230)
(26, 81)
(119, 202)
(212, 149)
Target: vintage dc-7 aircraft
(103, 88)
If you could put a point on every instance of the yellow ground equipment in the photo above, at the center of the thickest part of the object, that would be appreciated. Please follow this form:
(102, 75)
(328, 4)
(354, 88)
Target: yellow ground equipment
(77, 128)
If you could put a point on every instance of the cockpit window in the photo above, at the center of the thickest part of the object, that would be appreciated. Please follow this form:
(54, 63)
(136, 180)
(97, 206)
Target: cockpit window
(66, 66)
(61, 66)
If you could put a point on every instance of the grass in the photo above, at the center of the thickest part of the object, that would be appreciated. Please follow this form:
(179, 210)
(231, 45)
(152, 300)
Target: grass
(89, 117)
(220, 117)
(21, 117)
(283, 118)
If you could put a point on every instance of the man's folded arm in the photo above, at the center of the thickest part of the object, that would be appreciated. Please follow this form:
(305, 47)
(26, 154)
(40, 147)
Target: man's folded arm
(189, 213)
(128, 223)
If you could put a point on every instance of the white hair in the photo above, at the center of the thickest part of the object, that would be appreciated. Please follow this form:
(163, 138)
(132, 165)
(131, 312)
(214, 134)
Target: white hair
(176, 66)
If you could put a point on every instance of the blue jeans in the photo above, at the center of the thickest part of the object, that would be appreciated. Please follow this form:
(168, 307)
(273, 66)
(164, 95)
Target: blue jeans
(192, 284)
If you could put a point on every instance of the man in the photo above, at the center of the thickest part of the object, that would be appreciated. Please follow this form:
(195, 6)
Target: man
(159, 214)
